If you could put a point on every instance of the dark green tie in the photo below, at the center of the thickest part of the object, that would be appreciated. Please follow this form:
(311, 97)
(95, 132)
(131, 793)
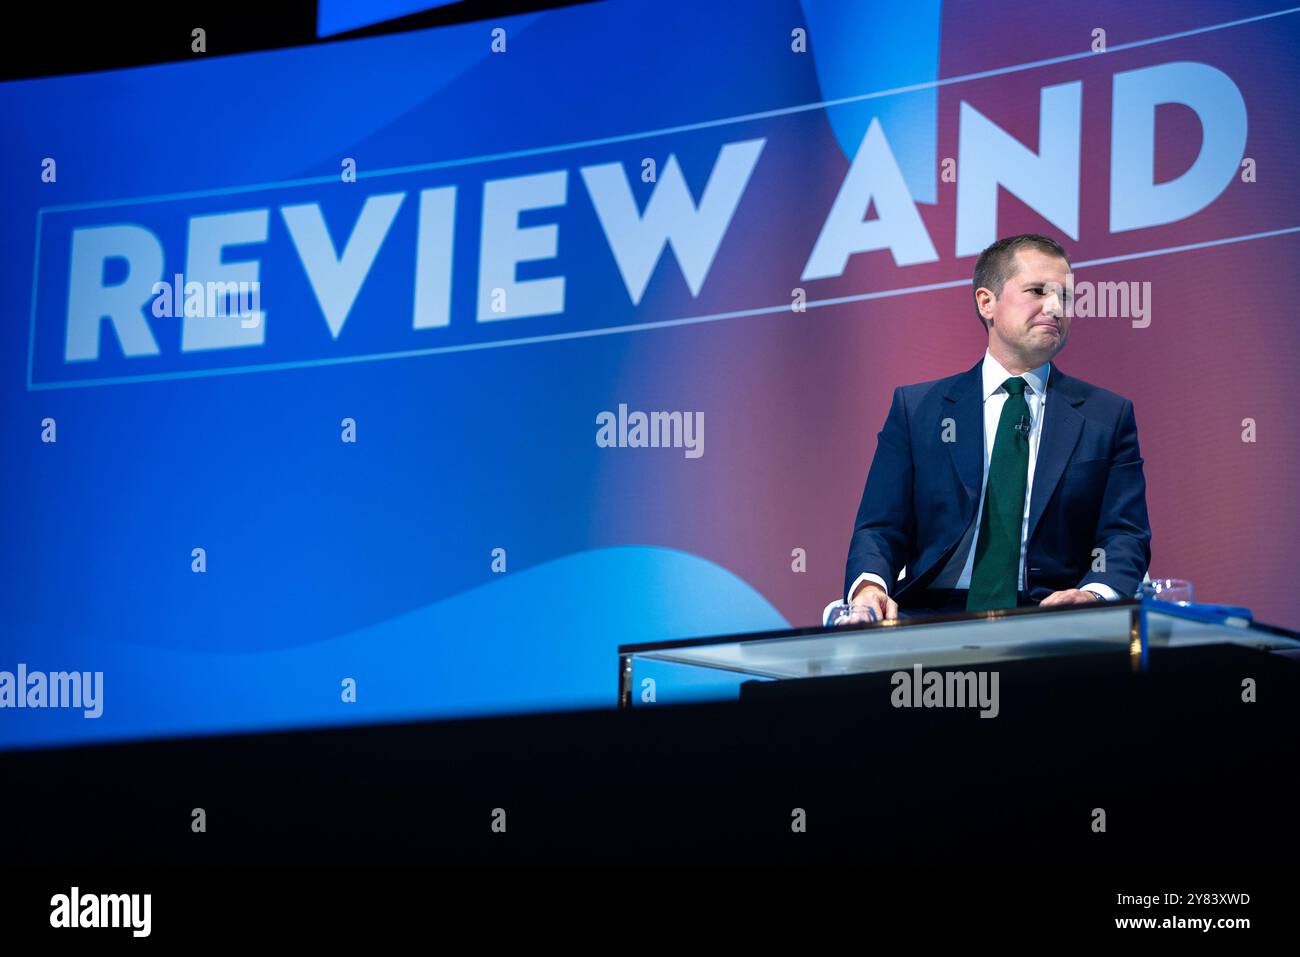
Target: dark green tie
(995, 578)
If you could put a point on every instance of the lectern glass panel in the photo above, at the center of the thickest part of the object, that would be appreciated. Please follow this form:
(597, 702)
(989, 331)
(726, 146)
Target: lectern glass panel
(714, 668)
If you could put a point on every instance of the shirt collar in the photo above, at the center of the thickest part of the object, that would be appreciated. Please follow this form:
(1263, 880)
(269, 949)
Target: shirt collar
(995, 375)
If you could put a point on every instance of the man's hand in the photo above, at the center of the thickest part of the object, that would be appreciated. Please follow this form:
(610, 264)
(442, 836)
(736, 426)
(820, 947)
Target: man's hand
(1071, 596)
(870, 595)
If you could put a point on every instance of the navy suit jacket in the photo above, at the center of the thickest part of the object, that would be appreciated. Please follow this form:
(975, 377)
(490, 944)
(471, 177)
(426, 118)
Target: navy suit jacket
(922, 492)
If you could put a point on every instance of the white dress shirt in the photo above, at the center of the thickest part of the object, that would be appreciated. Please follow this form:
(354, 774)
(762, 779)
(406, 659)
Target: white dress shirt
(957, 572)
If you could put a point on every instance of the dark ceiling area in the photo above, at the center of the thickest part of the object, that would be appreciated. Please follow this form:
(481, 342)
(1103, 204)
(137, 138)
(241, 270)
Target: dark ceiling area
(48, 40)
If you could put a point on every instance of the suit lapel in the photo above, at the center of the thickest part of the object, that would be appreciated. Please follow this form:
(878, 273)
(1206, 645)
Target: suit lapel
(966, 407)
(1062, 424)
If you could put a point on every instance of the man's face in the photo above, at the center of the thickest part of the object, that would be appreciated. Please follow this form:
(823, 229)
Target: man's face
(1028, 318)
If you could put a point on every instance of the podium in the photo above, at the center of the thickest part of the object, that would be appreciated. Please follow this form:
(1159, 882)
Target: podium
(729, 667)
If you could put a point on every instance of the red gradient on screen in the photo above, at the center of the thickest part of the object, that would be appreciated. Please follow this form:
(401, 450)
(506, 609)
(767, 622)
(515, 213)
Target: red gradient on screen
(793, 401)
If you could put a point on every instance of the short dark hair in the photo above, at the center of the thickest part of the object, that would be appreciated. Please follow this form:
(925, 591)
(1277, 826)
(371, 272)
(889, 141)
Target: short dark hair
(994, 266)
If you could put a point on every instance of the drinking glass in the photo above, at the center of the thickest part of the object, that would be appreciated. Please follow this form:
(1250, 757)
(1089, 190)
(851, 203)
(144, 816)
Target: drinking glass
(1176, 590)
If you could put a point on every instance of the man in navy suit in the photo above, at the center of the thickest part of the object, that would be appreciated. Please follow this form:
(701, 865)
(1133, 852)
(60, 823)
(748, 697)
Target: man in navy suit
(1008, 485)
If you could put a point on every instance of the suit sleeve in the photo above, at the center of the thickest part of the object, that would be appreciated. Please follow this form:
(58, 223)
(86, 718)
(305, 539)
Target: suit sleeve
(885, 525)
(1123, 528)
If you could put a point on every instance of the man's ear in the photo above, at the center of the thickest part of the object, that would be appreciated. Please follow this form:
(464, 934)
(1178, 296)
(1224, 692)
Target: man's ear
(984, 300)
